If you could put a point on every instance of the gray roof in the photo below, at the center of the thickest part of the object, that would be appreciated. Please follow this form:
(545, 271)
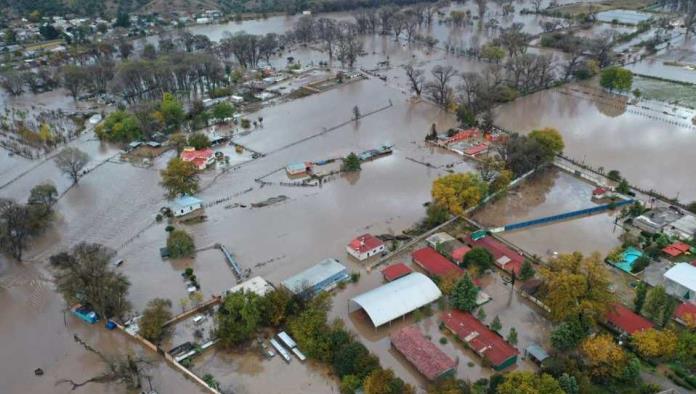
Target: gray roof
(396, 298)
(537, 352)
(313, 275)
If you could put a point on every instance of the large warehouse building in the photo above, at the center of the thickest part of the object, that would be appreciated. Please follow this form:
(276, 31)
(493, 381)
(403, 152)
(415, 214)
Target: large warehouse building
(395, 299)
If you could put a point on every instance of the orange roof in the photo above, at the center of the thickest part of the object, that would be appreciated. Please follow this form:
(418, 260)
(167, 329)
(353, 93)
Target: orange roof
(365, 243)
(676, 249)
(192, 154)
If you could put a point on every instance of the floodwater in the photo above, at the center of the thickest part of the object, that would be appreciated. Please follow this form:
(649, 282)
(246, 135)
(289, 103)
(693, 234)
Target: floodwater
(649, 151)
(548, 193)
(677, 63)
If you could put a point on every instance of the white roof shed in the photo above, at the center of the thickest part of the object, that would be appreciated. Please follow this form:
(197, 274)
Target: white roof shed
(683, 274)
(395, 299)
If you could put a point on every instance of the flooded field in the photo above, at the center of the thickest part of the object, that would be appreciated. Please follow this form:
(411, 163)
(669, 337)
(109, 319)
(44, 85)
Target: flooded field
(606, 134)
(669, 92)
(676, 63)
(548, 193)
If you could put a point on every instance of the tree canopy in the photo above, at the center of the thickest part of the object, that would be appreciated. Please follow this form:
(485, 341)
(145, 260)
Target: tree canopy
(151, 324)
(180, 177)
(85, 275)
(180, 244)
(119, 126)
(463, 296)
(459, 192)
(576, 287)
(616, 78)
(238, 318)
(523, 382)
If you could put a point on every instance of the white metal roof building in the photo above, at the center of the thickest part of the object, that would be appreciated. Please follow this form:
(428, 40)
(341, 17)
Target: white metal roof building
(323, 276)
(681, 281)
(395, 299)
(256, 285)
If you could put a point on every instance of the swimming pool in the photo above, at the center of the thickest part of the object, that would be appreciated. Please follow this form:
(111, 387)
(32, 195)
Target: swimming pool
(628, 257)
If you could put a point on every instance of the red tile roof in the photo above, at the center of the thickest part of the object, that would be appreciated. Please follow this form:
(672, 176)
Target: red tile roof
(396, 271)
(476, 149)
(458, 254)
(423, 354)
(626, 320)
(599, 191)
(478, 337)
(463, 135)
(192, 154)
(499, 249)
(433, 263)
(685, 309)
(365, 243)
(676, 249)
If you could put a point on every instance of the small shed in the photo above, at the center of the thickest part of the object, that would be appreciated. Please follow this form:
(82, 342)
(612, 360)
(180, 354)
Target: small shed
(395, 271)
(536, 353)
(438, 238)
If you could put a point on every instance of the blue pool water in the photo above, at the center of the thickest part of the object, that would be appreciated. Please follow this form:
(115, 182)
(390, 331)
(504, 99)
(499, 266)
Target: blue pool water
(628, 257)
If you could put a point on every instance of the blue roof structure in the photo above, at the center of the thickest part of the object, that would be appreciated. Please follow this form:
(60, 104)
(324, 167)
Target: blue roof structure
(187, 201)
(318, 277)
(537, 352)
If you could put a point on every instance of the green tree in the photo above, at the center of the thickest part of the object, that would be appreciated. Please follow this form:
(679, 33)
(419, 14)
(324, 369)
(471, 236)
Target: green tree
(85, 275)
(309, 328)
(686, 348)
(238, 318)
(223, 110)
(551, 141)
(568, 335)
(459, 192)
(383, 381)
(639, 300)
(435, 215)
(463, 296)
(71, 161)
(496, 325)
(519, 382)
(151, 324)
(492, 53)
(655, 303)
(351, 163)
(478, 257)
(568, 383)
(180, 244)
(19, 223)
(353, 359)
(481, 314)
(119, 126)
(512, 336)
(199, 141)
(277, 305)
(171, 113)
(350, 384)
(42, 197)
(623, 187)
(178, 141)
(527, 270)
(616, 78)
(180, 177)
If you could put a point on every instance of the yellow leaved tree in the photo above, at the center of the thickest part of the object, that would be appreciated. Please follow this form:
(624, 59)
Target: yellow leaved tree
(458, 192)
(655, 344)
(604, 357)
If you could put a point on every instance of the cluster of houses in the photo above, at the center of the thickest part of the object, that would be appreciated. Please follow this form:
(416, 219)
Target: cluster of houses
(671, 221)
(469, 142)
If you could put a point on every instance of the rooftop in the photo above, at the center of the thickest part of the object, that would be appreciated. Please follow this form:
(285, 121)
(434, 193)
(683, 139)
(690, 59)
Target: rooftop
(256, 285)
(395, 299)
(396, 271)
(423, 354)
(684, 309)
(365, 243)
(478, 337)
(506, 258)
(627, 320)
(314, 275)
(676, 249)
(683, 274)
(434, 263)
(187, 201)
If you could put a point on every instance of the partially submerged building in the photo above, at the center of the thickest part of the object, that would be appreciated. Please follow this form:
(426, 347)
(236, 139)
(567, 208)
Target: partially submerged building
(655, 220)
(320, 277)
(396, 299)
(438, 238)
(200, 158)
(185, 204)
(483, 341)
(682, 228)
(256, 285)
(680, 281)
(625, 321)
(427, 358)
(434, 263)
(503, 256)
(365, 246)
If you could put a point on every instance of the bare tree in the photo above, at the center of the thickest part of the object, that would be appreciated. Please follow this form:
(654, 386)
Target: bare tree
(12, 82)
(328, 33)
(74, 79)
(689, 9)
(537, 5)
(439, 89)
(416, 78)
(481, 4)
(71, 161)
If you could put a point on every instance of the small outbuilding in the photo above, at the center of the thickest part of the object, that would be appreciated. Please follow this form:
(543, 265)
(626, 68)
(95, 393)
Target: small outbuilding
(438, 238)
(256, 285)
(536, 353)
(320, 277)
(396, 299)
(396, 271)
(185, 204)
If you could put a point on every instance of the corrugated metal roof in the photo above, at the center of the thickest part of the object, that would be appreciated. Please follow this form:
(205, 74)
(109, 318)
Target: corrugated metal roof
(396, 298)
(185, 201)
(683, 274)
(314, 275)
